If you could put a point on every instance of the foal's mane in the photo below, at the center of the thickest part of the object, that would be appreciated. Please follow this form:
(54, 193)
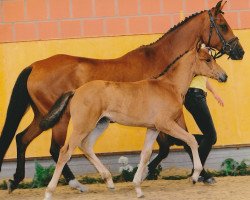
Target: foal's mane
(170, 65)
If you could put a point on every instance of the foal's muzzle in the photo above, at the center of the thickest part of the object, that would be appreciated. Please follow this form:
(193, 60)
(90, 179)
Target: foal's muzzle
(223, 78)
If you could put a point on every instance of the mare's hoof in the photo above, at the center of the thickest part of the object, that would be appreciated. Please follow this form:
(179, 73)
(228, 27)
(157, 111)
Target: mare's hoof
(194, 182)
(209, 181)
(140, 196)
(11, 186)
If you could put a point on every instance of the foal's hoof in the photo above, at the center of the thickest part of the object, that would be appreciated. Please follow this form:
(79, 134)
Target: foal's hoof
(77, 185)
(11, 186)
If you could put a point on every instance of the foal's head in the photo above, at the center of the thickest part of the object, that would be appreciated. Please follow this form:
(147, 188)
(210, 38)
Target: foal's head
(218, 34)
(206, 65)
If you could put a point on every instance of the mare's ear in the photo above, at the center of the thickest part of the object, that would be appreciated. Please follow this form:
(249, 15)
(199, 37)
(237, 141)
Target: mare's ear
(219, 6)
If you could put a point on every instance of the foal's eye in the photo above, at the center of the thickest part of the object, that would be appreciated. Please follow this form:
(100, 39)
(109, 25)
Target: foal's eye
(208, 60)
(224, 27)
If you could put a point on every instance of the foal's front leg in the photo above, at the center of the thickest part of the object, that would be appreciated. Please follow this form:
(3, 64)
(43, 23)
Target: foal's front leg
(141, 172)
(173, 129)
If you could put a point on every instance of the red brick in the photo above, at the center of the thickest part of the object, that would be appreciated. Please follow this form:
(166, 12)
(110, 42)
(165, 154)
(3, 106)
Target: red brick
(116, 26)
(82, 8)
(150, 6)
(25, 31)
(239, 4)
(13, 10)
(93, 28)
(59, 10)
(138, 25)
(195, 6)
(6, 33)
(70, 29)
(232, 19)
(105, 8)
(245, 19)
(36, 10)
(160, 24)
(128, 7)
(212, 3)
(48, 30)
(172, 6)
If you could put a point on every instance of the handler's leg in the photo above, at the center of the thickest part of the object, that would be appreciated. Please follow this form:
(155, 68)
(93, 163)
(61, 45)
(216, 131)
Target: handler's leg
(196, 104)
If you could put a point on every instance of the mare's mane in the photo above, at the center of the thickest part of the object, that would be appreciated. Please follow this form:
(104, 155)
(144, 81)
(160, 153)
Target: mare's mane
(187, 19)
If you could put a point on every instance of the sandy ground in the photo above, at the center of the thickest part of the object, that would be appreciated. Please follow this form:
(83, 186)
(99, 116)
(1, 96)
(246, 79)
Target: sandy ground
(226, 188)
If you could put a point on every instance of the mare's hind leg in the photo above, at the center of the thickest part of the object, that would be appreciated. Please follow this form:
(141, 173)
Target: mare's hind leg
(23, 139)
(87, 148)
(145, 156)
(59, 132)
(176, 131)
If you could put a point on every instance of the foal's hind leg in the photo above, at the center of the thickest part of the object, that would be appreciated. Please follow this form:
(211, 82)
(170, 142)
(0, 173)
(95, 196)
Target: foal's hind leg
(23, 139)
(145, 156)
(65, 154)
(87, 147)
(164, 142)
(176, 131)
(59, 132)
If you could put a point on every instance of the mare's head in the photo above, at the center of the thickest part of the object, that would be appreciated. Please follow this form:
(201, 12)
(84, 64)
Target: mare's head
(206, 65)
(218, 34)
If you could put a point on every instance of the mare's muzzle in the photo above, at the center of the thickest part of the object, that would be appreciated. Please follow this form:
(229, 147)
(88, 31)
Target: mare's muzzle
(234, 49)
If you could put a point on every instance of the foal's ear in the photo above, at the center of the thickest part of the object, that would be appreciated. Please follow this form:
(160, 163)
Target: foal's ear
(199, 46)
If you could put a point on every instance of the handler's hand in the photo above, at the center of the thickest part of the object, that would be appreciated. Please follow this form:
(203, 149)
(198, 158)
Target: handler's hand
(219, 100)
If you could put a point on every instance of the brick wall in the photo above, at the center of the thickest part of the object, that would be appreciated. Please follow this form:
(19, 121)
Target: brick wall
(26, 20)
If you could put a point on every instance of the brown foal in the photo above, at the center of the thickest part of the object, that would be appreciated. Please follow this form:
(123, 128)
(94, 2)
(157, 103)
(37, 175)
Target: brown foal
(44, 81)
(154, 103)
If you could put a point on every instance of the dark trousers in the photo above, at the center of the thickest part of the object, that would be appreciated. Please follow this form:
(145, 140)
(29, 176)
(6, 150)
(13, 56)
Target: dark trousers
(196, 104)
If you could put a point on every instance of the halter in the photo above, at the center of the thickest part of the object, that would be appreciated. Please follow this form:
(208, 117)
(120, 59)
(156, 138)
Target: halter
(227, 46)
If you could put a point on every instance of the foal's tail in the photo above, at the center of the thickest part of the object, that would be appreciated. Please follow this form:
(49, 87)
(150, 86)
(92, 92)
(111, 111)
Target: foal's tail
(57, 110)
(19, 102)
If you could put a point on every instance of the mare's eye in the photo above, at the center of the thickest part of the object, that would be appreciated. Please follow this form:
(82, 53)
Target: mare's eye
(224, 27)
(208, 60)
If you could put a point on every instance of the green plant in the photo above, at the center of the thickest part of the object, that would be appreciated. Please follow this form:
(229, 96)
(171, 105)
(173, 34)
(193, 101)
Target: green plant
(42, 175)
(230, 167)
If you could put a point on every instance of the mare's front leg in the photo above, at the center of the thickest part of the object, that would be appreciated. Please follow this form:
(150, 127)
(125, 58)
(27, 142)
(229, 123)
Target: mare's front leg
(59, 132)
(145, 156)
(173, 129)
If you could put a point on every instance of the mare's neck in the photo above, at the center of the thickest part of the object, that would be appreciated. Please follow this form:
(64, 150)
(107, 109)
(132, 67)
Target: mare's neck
(182, 38)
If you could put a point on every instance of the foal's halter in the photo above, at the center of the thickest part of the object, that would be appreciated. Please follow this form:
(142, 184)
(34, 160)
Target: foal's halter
(227, 46)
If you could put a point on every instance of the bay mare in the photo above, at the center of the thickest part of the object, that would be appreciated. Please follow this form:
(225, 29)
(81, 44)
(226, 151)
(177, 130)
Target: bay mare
(44, 81)
(153, 103)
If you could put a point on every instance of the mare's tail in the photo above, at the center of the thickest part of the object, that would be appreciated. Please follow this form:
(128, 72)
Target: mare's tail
(55, 113)
(18, 105)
